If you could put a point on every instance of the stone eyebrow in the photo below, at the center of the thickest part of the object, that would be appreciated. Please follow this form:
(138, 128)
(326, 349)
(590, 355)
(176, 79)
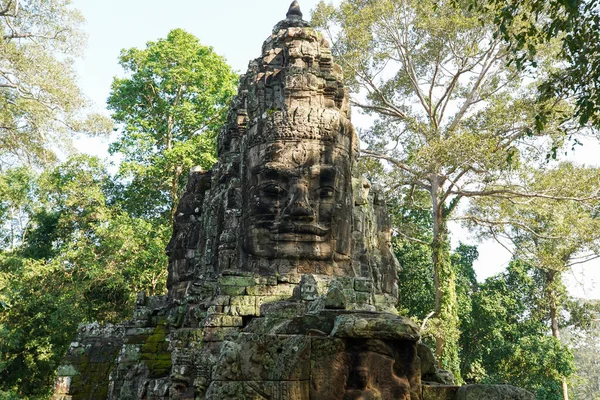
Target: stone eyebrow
(324, 169)
(275, 170)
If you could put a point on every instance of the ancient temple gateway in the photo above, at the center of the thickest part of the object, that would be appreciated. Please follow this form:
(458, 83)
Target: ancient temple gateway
(281, 280)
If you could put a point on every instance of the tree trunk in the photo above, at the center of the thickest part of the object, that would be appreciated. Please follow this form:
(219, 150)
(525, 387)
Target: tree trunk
(174, 189)
(553, 303)
(174, 192)
(446, 309)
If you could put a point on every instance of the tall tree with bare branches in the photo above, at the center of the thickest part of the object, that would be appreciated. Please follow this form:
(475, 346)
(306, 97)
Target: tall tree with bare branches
(40, 103)
(454, 118)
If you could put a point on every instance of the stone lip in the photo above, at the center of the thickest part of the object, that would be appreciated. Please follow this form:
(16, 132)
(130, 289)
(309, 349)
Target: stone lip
(375, 326)
(493, 392)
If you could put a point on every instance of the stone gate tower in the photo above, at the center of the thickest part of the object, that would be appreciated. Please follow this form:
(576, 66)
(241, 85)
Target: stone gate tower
(283, 200)
(281, 282)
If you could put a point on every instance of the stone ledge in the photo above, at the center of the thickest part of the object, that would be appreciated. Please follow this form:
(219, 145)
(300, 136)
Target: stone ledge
(493, 392)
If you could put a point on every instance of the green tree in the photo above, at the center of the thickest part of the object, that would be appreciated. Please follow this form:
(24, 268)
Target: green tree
(584, 340)
(551, 233)
(15, 192)
(416, 283)
(40, 103)
(454, 118)
(37, 325)
(80, 259)
(76, 225)
(577, 24)
(506, 340)
(416, 279)
(169, 109)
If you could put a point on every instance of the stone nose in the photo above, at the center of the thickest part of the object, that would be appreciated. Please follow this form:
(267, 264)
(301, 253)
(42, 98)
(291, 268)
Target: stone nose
(299, 205)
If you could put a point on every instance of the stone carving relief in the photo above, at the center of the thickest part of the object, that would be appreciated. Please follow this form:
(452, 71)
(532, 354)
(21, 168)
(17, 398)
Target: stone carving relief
(282, 283)
(295, 198)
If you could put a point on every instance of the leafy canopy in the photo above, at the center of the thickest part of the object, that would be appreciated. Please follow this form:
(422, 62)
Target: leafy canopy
(40, 103)
(453, 118)
(169, 109)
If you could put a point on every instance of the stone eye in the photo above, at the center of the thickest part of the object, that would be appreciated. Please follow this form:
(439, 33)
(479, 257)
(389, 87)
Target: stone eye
(273, 190)
(326, 192)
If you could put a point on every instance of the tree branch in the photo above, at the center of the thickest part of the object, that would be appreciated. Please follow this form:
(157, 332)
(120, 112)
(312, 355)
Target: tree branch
(5, 12)
(412, 239)
(513, 193)
(399, 164)
(489, 223)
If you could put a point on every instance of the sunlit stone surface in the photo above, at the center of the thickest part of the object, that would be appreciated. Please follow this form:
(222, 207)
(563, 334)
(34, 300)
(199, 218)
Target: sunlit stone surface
(282, 284)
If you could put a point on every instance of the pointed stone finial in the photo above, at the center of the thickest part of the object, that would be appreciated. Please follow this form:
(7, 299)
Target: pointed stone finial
(294, 11)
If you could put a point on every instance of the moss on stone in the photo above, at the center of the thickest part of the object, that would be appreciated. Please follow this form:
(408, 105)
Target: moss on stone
(155, 354)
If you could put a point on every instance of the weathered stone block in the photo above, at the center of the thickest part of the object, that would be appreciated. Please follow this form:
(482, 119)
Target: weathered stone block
(243, 301)
(335, 299)
(222, 320)
(330, 367)
(219, 390)
(243, 310)
(129, 353)
(232, 290)
(266, 358)
(308, 288)
(363, 298)
(234, 280)
(277, 390)
(139, 332)
(218, 334)
(261, 300)
(363, 285)
(375, 327)
(283, 289)
(439, 392)
(283, 309)
(493, 392)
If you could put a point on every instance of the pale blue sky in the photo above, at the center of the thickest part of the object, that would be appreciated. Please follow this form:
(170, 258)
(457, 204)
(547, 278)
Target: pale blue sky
(236, 30)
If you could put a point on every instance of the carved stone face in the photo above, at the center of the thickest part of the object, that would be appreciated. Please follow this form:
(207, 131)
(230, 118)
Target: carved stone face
(294, 194)
(362, 377)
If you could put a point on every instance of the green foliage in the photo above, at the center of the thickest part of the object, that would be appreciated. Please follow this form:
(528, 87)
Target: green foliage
(577, 24)
(76, 245)
(585, 342)
(416, 286)
(551, 231)
(415, 282)
(169, 108)
(446, 324)
(15, 188)
(81, 259)
(40, 103)
(453, 117)
(506, 337)
(36, 329)
(11, 395)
